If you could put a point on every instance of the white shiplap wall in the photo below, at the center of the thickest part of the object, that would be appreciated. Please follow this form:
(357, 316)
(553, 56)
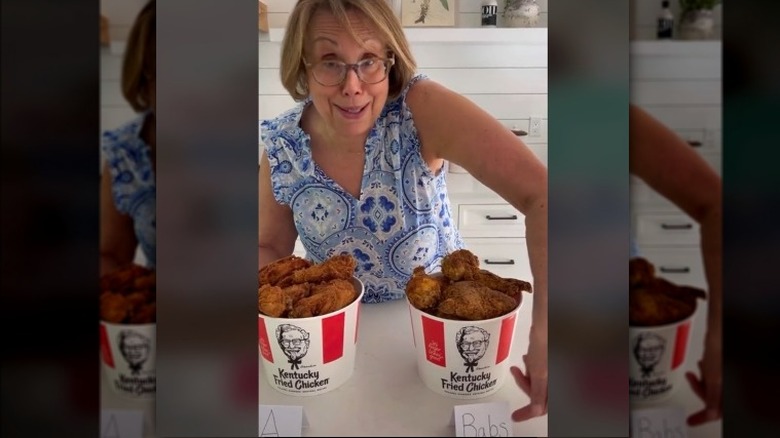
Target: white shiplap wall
(679, 82)
(467, 12)
(644, 16)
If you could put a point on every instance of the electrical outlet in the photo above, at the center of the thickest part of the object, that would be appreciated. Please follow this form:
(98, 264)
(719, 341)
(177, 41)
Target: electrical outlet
(535, 127)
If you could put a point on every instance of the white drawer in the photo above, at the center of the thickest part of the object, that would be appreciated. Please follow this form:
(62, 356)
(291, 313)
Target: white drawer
(666, 229)
(504, 257)
(681, 266)
(490, 220)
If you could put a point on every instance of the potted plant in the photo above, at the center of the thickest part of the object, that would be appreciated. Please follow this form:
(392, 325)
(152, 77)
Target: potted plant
(697, 19)
(521, 13)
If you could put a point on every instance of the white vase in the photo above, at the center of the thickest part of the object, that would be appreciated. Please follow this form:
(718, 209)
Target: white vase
(521, 13)
(697, 24)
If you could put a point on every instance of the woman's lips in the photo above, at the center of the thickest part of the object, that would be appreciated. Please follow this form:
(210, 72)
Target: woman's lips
(352, 112)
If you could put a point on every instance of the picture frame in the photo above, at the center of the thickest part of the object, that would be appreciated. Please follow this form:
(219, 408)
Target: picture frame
(428, 13)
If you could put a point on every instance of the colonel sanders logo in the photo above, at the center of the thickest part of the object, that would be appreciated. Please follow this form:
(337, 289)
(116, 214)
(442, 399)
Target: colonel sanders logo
(648, 350)
(294, 342)
(472, 344)
(135, 348)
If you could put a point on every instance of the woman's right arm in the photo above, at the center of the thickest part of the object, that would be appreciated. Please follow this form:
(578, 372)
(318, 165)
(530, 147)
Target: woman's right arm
(276, 229)
(117, 237)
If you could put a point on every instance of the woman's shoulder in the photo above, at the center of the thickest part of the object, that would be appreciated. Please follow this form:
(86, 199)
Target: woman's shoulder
(128, 133)
(284, 124)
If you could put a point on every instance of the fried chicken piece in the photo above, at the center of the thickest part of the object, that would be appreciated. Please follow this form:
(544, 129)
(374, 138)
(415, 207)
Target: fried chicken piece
(144, 314)
(276, 271)
(294, 293)
(114, 307)
(655, 300)
(472, 301)
(460, 265)
(270, 300)
(510, 286)
(325, 298)
(123, 280)
(147, 281)
(648, 307)
(424, 291)
(340, 267)
(640, 271)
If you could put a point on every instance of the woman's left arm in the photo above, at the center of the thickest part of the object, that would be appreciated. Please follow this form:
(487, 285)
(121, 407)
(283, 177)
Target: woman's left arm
(455, 129)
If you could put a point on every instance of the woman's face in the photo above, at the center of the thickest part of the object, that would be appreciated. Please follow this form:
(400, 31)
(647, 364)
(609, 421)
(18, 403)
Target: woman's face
(352, 107)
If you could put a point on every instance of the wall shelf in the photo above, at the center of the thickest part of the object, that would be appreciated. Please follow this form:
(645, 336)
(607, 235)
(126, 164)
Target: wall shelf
(676, 47)
(456, 35)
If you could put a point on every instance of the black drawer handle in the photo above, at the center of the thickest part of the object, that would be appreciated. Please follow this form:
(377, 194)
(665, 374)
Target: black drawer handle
(500, 262)
(519, 132)
(501, 218)
(683, 270)
(694, 143)
(676, 226)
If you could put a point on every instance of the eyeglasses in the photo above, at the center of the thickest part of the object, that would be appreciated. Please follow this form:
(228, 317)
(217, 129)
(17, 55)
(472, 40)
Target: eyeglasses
(469, 345)
(331, 72)
(293, 342)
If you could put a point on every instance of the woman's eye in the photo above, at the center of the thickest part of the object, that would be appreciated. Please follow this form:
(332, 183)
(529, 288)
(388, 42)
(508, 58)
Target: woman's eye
(331, 65)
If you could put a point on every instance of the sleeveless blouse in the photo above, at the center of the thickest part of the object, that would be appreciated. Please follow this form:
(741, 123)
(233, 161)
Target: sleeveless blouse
(402, 218)
(132, 181)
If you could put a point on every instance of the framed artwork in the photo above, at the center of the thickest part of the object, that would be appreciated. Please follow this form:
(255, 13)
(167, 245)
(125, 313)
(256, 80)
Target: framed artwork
(428, 13)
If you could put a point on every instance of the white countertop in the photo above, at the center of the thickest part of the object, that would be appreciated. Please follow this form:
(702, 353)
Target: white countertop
(385, 396)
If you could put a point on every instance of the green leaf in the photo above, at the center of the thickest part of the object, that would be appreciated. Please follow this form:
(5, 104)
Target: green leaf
(444, 3)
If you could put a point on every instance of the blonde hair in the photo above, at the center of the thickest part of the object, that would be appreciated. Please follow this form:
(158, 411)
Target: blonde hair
(139, 63)
(380, 17)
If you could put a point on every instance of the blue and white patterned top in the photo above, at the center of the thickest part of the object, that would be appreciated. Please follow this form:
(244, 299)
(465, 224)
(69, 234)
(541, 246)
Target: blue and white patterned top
(132, 181)
(402, 219)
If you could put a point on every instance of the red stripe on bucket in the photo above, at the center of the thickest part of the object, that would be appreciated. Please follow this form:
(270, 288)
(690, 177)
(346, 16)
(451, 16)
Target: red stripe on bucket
(105, 348)
(265, 346)
(505, 338)
(433, 338)
(332, 337)
(411, 320)
(680, 344)
(357, 323)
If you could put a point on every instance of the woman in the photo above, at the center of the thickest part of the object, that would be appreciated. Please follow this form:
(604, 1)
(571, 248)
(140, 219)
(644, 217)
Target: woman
(127, 186)
(357, 165)
(668, 165)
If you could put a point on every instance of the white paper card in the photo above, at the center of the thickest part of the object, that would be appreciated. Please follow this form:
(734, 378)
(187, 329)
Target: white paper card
(662, 422)
(119, 423)
(483, 419)
(279, 420)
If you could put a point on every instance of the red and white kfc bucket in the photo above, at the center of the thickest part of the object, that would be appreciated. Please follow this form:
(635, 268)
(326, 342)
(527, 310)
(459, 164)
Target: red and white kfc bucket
(310, 356)
(463, 359)
(656, 358)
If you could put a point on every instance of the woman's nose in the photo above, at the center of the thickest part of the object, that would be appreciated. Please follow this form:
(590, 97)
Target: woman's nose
(352, 83)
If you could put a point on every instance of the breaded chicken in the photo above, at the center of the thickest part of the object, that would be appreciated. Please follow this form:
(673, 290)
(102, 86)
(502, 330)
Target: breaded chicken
(424, 291)
(510, 286)
(340, 267)
(640, 271)
(472, 301)
(276, 271)
(114, 307)
(460, 265)
(655, 300)
(270, 301)
(325, 298)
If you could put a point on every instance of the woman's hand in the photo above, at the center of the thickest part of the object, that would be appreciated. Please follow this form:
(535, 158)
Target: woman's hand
(534, 381)
(709, 386)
